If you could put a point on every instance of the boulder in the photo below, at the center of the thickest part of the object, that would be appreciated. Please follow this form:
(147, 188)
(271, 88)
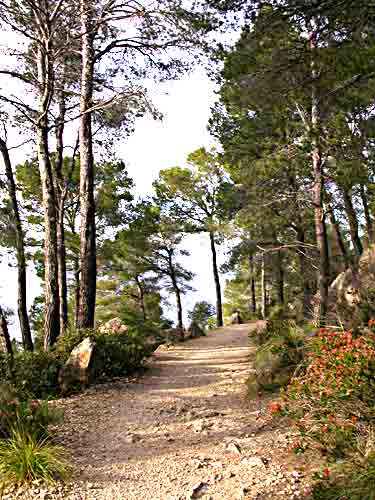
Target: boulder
(351, 290)
(76, 368)
(113, 326)
(235, 319)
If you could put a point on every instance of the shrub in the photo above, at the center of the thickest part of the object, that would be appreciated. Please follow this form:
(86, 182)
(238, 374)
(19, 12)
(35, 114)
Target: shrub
(354, 481)
(25, 458)
(334, 397)
(34, 374)
(280, 350)
(115, 354)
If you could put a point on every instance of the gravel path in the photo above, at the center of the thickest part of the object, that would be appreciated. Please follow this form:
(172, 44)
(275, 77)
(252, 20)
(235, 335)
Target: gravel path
(183, 430)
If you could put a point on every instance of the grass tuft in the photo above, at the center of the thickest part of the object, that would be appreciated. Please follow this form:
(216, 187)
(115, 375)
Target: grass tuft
(25, 458)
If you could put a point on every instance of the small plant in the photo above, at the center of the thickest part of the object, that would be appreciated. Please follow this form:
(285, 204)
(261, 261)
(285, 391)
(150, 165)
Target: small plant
(280, 350)
(25, 458)
(31, 416)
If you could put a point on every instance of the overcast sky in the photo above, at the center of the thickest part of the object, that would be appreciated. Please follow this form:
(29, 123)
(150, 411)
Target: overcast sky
(155, 145)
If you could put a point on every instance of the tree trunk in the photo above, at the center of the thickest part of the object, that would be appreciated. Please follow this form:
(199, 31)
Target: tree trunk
(318, 193)
(177, 292)
(51, 289)
(61, 195)
(368, 218)
(338, 237)
(264, 290)
(87, 202)
(306, 292)
(20, 252)
(252, 285)
(280, 278)
(5, 332)
(76, 290)
(353, 221)
(219, 307)
(142, 297)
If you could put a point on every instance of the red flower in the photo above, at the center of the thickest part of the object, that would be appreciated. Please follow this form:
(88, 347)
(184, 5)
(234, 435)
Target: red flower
(326, 473)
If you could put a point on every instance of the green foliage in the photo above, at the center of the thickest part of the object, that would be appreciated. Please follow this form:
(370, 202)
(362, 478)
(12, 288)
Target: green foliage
(334, 396)
(201, 313)
(25, 458)
(352, 481)
(32, 373)
(280, 351)
(30, 417)
(115, 354)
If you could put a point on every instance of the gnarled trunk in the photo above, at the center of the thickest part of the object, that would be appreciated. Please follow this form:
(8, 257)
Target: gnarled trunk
(5, 333)
(252, 285)
(318, 192)
(177, 292)
(61, 195)
(142, 297)
(368, 218)
(51, 289)
(338, 237)
(353, 221)
(20, 252)
(263, 288)
(219, 307)
(87, 202)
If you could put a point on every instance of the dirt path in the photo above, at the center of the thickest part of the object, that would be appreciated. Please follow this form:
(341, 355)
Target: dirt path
(184, 430)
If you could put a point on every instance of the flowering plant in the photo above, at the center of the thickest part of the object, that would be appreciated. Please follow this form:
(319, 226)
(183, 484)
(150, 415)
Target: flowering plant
(335, 394)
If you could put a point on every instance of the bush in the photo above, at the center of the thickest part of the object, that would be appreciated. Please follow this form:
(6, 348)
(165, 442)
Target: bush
(354, 481)
(115, 354)
(25, 458)
(34, 374)
(334, 397)
(31, 417)
(280, 351)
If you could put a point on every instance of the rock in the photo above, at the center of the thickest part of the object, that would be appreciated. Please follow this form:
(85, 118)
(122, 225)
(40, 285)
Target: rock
(76, 368)
(113, 326)
(351, 288)
(253, 461)
(233, 447)
(198, 490)
(235, 319)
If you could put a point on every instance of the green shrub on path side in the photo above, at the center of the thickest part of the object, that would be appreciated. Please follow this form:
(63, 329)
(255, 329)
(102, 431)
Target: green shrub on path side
(354, 482)
(33, 373)
(280, 350)
(31, 416)
(24, 458)
(115, 354)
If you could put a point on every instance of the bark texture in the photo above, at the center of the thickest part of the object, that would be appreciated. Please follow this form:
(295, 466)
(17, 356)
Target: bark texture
(20, 252)
(51, 289)
(263, 288)
(318, 192)
(87, 202)
(368, 218)
(219, 307)
(177, 292)
(5, 333)
(252, 284)
(61, 195)
(353, 221)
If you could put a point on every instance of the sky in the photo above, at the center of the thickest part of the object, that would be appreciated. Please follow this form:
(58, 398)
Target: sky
(155, 145)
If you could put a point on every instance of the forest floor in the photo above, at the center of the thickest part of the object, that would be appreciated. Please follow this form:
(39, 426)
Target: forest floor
(182, 430)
